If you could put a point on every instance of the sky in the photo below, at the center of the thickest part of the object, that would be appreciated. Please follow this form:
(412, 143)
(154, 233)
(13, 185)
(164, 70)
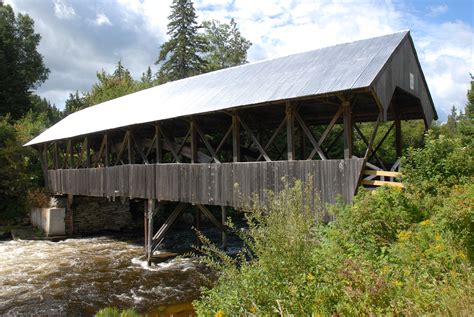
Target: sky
(81, 37)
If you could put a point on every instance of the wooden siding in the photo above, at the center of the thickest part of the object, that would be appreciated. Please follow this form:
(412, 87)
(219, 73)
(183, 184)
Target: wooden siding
(226, 184)
(396, 73)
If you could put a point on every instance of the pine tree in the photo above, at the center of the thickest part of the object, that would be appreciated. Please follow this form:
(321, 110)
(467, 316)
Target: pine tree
(469, 110)
(180, 55)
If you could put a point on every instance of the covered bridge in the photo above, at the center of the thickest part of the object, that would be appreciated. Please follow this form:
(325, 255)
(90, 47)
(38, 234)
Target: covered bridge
(217, 137)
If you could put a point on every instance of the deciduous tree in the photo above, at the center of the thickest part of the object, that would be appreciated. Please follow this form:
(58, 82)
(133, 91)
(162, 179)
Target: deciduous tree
(226, 47)
(21, 66)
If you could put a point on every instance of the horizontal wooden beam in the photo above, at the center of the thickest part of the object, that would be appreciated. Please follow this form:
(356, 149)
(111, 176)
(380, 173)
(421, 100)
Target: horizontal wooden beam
(383, 173)
(382, 183)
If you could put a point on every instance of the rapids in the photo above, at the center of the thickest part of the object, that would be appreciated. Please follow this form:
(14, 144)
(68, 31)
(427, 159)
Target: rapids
(77, 277)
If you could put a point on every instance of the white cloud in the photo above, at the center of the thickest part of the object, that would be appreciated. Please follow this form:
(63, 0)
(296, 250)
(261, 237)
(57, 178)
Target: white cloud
(102, 19)
(275, 27)
(63, 11)
(437, 10)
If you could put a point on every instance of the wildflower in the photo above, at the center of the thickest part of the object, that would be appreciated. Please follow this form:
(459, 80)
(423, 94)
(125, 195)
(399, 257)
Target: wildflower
(310, 277)
(462, 255)
(397, 283)
(425, 222)
(438, 237)
(253, 309)
(404, 235)
(219, 313)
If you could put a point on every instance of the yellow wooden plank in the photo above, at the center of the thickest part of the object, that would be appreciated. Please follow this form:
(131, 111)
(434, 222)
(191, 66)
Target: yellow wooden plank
(382, 183)
(383, 173)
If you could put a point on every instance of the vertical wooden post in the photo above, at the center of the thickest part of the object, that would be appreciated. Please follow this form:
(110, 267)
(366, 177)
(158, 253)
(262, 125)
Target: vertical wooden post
(56, 155)
(194, 142)
(149, 243)
(44, 164)
(158, 144)
(70, 153)
(224, 232)
(88, 151)
(131, 154)
(106, 150)
(145, 229)
(347, 119)
(235, 137)
(290, 131)
(198, 223)
(70, 198)
(302, 144)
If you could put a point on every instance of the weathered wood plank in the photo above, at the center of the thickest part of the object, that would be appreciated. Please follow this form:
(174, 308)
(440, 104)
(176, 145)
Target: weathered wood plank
(230, 184)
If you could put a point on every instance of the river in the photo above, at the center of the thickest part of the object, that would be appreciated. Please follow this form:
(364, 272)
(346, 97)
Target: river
(77, 277)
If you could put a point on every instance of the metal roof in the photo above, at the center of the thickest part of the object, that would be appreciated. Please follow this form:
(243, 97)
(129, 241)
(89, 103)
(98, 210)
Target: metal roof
(331, 69)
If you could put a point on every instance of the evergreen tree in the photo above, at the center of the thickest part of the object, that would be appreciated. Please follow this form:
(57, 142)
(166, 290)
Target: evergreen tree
(21, 66)
(180, 56)
(226, 47)
(75, 103)
(451, 124)
(466, 123)
(146, 81)
(469, 110)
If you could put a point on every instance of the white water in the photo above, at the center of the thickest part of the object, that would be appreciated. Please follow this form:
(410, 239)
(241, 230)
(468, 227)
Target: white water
(80, 276)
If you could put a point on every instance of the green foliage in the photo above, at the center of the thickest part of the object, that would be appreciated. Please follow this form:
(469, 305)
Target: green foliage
(180, 56)
(457, 216)
(74, 103)
(391, 252)
(21, 169)
(226, 47)
(115, 312)
(373, 221)
(21, 65)
(108, 87)
(442, 163)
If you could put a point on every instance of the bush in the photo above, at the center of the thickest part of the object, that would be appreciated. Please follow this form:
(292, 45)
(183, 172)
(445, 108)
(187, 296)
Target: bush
(382, 255)
(441, 164)
(38, 197)
(20, 168)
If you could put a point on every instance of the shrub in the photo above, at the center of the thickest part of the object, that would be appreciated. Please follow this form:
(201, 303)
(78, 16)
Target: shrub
(382, 255)
(38, 197)
(441, 164)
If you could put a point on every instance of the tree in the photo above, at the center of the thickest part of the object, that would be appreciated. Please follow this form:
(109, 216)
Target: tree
(41, 105)
(21, 65)
(118, 84)
(75, 103)
(226, 47)
(180, 56)
(469, 110)
(466, 122)
(146, 81)
(108, 87)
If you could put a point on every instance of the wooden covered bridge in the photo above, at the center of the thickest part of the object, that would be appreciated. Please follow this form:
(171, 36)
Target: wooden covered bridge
(215, 138)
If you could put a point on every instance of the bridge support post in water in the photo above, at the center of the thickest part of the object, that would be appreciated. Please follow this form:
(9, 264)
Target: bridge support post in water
(151, 209)
(70, 212)
(224, 232)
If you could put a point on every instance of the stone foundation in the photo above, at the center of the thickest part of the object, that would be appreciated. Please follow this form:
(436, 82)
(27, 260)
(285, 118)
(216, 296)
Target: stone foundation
(94, 214)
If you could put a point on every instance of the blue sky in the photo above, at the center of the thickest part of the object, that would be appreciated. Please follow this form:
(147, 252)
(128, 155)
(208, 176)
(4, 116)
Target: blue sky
(81, 37)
